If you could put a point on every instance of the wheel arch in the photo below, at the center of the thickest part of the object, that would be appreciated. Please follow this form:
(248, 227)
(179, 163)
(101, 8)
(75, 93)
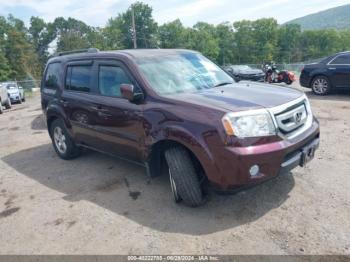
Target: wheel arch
(156, 160)
(54, 113)
(317, 75)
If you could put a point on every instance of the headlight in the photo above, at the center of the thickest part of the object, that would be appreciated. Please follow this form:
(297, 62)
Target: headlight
(254, 123)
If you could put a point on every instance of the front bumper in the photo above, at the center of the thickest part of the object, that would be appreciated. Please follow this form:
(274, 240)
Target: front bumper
(304, 80)
(14, 97)
(256, 78)
(234, 163)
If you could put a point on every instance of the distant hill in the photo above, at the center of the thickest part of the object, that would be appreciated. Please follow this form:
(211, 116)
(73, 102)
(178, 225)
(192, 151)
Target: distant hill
(336, 18)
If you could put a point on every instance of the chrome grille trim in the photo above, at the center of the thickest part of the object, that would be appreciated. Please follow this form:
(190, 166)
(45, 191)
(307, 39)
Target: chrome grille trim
(292, 119)
(288, 107)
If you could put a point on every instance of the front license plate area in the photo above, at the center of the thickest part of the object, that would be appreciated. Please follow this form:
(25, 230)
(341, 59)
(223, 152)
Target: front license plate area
(308, 153)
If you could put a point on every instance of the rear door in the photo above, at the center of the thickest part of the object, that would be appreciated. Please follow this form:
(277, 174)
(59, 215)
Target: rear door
(340, 71)
(78, 101)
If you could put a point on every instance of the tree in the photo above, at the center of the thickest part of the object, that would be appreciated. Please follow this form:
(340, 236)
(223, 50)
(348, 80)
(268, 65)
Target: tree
(114, 37)
(288, 38)
(41, 35)
(71, 34)
(244, 42)
(5, 70)
(20, 54)
(226, 40)
(172, 35)
(146, 27)
(202, 38)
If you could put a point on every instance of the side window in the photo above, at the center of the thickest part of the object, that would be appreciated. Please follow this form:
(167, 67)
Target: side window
(52, 74)
(78, 78)
(341, 60)
(109, 80)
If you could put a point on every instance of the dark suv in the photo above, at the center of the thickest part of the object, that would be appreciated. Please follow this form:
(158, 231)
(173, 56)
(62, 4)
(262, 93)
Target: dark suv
(329, 74)
(176, 111)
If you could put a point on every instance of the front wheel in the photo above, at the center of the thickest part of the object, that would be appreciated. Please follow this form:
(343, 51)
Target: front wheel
(62, 142)
(183, 177)
(8, 104)
(321, 85)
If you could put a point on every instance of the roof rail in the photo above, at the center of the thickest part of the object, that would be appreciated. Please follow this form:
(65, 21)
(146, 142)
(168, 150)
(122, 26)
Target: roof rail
(77, 51)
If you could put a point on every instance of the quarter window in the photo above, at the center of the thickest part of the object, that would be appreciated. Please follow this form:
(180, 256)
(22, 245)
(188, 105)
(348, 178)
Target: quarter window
(52, 75)
(341, 60)
(109, 80)
(78, 78)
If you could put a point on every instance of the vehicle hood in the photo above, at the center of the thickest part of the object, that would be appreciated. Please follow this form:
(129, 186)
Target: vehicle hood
(240, 96)
(251, 72)
(13, 91)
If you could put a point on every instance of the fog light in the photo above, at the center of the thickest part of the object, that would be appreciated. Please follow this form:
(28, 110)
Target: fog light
(254, 170)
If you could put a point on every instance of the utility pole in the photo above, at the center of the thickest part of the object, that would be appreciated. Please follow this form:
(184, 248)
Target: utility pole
(133, 27)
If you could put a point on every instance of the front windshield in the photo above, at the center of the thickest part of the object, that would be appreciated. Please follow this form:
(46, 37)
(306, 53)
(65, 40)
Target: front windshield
(242, 67)
(183, 72)
(11, 86)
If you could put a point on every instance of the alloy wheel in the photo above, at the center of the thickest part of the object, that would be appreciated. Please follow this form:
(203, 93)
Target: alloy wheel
(60, 140)
(320, 86)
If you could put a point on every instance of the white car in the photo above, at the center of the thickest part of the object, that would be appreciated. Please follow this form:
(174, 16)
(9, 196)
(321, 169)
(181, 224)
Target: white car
(4, 99)
(15, 92)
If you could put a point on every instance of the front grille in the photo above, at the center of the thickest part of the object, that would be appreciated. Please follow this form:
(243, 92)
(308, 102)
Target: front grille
(292, 119)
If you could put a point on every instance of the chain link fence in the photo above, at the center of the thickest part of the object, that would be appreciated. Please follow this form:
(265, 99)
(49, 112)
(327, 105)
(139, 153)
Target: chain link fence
(296, 68)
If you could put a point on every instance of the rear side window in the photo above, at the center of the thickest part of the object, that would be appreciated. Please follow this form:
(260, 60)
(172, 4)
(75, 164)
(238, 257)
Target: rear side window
(78, 78)
(341, 60)
(109, 80)
(52, 75)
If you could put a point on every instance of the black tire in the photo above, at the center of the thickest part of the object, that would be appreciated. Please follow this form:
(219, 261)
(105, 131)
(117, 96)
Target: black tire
(1, 109)
(184, 176)
(321, 85)
(8, 104)
(71, 149)
(24, 98)
(20, 100)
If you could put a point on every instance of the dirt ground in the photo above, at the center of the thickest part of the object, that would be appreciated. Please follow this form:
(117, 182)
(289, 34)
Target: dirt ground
(97, 204)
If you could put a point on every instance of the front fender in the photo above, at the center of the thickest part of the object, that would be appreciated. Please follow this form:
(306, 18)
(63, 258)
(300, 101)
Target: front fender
(193, 142)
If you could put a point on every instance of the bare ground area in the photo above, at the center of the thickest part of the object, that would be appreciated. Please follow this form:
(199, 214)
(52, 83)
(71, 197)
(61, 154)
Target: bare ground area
(97, 204)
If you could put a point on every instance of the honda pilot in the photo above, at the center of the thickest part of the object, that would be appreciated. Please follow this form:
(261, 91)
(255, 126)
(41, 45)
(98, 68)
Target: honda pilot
(176, 112)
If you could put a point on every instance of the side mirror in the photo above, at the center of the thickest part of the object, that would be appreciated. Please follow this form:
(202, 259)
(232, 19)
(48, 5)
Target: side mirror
(130, 93)
(20, 87)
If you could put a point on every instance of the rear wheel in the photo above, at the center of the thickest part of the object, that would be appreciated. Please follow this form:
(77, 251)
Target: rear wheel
(320, 85)
(1, 109)
(183, 178)
(62, 142)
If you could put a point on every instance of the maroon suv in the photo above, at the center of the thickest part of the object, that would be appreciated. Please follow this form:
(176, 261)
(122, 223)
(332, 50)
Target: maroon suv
(174, 110)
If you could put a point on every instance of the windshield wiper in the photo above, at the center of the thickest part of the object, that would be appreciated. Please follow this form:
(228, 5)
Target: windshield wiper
(223, 84)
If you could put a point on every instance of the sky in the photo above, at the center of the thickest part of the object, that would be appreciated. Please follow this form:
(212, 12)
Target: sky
(97, 12)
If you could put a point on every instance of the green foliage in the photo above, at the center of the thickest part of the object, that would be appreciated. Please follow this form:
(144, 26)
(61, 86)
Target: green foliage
(146, 27)
(5, 70)
(25, 51)
(172, 35)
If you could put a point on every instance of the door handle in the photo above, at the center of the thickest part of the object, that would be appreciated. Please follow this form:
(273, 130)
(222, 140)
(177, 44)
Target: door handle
(332, 68)
(102, 112)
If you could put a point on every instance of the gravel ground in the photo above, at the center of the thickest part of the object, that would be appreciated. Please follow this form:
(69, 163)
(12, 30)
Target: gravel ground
(97, 204)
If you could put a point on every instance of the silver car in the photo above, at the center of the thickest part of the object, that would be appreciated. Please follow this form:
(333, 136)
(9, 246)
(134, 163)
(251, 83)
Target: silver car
(4, 99)
(15, 92)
